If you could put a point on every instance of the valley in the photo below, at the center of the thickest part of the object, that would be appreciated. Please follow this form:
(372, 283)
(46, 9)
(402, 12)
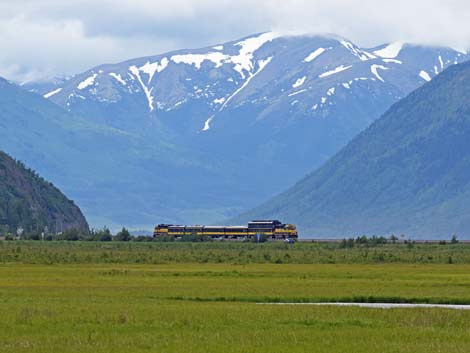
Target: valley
(236, 123)
(234, 176)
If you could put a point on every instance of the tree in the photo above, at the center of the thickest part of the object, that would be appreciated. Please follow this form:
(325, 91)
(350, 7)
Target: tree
(362, 240)
(347, 243)
(103, 235)
(143, 238)
(123, 235)
(70, 235)
(454, 239)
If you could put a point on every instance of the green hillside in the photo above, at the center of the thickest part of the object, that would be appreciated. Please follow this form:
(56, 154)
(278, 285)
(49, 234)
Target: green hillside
(28, 201)
(408, 173)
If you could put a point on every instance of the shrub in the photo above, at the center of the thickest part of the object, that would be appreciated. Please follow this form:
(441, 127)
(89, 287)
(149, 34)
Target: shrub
(70, 235)
(123, 235)
(102, 235)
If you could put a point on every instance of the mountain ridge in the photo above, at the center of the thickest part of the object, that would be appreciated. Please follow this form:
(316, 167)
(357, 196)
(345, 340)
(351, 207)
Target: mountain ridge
(239, 58)
(29, 202)
(407, 173)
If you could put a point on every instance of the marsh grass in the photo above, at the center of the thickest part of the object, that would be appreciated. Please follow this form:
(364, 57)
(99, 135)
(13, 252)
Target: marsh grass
(203, 306)
(36, 252)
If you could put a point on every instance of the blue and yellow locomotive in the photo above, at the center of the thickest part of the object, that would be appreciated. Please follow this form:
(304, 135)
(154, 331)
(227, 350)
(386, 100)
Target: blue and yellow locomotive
(270, 229)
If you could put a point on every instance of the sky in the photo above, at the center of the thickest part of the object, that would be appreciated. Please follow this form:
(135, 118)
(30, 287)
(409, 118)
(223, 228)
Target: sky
(47, 38)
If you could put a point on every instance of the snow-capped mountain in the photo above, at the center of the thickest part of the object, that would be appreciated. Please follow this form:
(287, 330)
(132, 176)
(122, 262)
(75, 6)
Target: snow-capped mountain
(267, 108)
(288, 74)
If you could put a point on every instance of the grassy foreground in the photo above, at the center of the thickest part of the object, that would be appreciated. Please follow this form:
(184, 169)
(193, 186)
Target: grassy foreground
(191, 307)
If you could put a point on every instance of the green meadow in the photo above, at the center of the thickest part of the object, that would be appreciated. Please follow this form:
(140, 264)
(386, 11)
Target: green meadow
(94, 297)
(43, 252)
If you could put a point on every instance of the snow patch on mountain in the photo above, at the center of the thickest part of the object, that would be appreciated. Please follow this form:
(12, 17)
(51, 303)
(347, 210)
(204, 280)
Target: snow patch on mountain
(176, 105)
(207, 124)
(374, 69)
(361, 54)
(52, 93)
(72, 95)
(394, 61)
(244, 59)
(197, 59)
(151, 68)
(424, 75)
(335, 71)
(299, 82)
(219, 100)
(87, 82)
(148, 92)
(441, 62)
(312, 56)
(296, 93)
(118, 78)
(391, 51)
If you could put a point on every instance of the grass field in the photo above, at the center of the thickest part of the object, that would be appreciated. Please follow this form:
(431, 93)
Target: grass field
(37, 252)
(177, 306)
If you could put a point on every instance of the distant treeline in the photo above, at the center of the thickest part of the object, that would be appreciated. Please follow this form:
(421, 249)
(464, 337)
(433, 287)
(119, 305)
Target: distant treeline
(102, 235)
(105, 235)
(374, 241)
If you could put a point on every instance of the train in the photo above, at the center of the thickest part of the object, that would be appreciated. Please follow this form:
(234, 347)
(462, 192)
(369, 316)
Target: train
(258, 229)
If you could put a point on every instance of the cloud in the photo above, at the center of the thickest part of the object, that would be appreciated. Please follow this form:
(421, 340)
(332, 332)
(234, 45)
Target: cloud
(35, 50)
(43, 38)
